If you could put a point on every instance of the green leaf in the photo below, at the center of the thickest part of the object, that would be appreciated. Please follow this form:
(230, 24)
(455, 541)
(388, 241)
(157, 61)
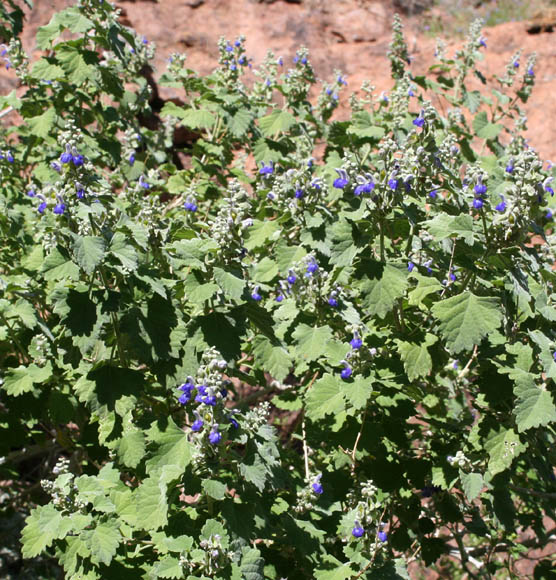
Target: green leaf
(273, 358)
(333, 570)
(192, 118)
(230, 284)
(88, 252)
(483, 128)
(472, 484)
(276, 122)
(445, 226)
(344, 249)
(260, 233)
(472, 100)
(325, 397)
(425, 285)
(357, 392)
(42, 527)
(239, 122)
(380, 295)
(58, 266)
(22, 379)
(44, 70)
(362, 126)
(103, 541)
(131, 448)
(214, 489)
(41, 126)
(252, 564)
(169, 567)
(416, 359)
(174, 448)
(503, 447)
(311, 341)
(124, 251)
(464, 320)
(152, 503)
(77, 69)
(535, 406)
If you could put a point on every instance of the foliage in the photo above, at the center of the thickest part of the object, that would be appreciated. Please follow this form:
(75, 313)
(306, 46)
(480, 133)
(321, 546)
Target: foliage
(381, 287)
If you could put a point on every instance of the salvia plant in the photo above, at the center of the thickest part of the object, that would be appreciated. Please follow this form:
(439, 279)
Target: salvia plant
(294, 347)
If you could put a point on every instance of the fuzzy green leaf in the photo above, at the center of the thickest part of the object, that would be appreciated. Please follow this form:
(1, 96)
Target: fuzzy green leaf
(276, 122)
(325, 397)
(88, 252)
(311, 341)
(381, 294)
(465, 319)
(445, 226)
(103, 541)
(472, 484)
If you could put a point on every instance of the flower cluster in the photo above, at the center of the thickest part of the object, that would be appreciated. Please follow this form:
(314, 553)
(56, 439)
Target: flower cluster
(206, 395)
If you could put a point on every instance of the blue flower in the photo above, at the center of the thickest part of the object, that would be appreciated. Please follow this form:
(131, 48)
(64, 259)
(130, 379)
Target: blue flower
(255, 295)
(77, 159)
(333, 302)
(516, 63)
(420, 120)
(341, 181)
(79, 191)
(66, 156)
(198, 423)
(393, 184)
(364, 188)
(185, 397)
(233, 422)
(237, 43)
(132, 158)
(357, 531)
(433, 194)
(346, 371)
(304, 60)
(480, 188)
(482, 41)
(291, 277)
(190, 205)
(510, 166)
(478, 203)
(356, 342)
(233, 66)
(453, 277)
(9, 157)
(279, 298)
(317, 488)
(267, 169)
(42, 207)
(501, 207)
(410, 266)
(59, 208)
(299, 193)
(531, 72)
(229, 48)
(548, 215)
(215, 436)
(143, 183)
(280, 61)
(31, 193)
(242, 60)
(312, 267)
(382, 536)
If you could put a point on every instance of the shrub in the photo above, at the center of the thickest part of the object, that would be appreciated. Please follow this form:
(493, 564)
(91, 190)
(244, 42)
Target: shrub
(381, 287)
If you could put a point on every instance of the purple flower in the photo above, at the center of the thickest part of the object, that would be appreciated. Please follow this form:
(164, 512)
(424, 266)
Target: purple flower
(242, 60)
(312, 267)
(132, 158)
(357, 531)
(346, 371)
(77, 159)
(364, 188)
(317, 488)
(229, 48)
(480, 188)
(143, 183)
(340, 183)
(410, 266)
(59, 208)
(304, 60)
(548, 215)
(299, 193)
(433, 194)
(237, 43)
(79, 191)
(233, 422)
(198, 423)
(291, 277)
(31, 193)
(516, 63)
(215, 436)
(382, 536)
(9, 157)
(42, 207)
(333, 302)
(531, 72)
(233, 66)
(66, 156)
(356, 342)
(478, 203)
(56, 166)
(190, 205)
(393, 184)
(453, 277)
(410, 93)
(280, 61)
(279, 298)
(185, 397)
(482, 41)
(501, 207)
(510, 166)
(419, 121)
(266, 169)
(255, 295)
